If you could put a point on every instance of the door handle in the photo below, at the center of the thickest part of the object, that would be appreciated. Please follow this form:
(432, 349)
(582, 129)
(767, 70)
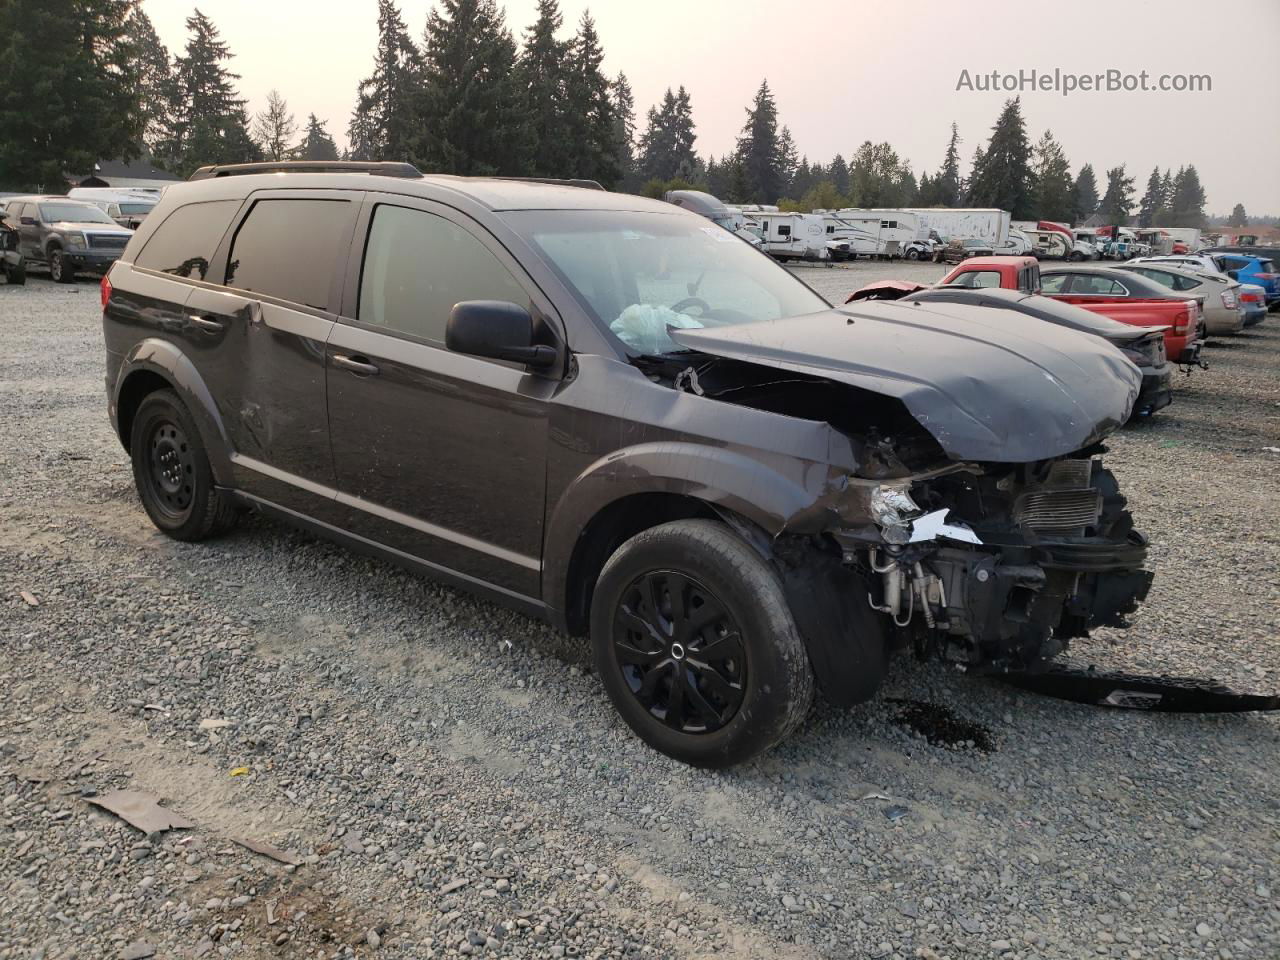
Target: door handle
(204, 323)
(357, 365)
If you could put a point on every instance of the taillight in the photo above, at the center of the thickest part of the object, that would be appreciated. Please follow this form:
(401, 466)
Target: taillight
(1228, 299)
(105, 288)
(1183, 322)
(1251, 297)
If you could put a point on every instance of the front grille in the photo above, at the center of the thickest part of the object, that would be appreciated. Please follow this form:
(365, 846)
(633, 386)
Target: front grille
(1058, 511)
(100, 242)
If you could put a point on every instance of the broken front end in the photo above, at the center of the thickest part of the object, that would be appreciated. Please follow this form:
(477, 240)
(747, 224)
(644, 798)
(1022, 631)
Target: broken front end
(997, 566)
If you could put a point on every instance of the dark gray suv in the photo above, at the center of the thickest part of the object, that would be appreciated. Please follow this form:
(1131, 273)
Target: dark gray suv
(607, 412)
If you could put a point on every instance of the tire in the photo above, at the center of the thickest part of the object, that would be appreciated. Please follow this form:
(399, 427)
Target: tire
(16, 274)
(745, 701)
(1076, 256)
(913, 254)
(172, 472)
(59, 269)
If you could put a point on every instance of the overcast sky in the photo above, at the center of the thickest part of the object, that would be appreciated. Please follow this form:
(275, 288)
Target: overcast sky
(844, 72)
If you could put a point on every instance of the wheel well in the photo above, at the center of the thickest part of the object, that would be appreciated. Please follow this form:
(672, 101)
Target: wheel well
(133, 391)
(608, 530)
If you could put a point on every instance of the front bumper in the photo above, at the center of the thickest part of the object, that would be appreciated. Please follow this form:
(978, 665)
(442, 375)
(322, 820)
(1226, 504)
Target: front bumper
(91, 259)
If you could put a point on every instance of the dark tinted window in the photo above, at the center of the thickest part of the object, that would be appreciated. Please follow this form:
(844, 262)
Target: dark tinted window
(184, 244)
(418, 265)
(289, 249)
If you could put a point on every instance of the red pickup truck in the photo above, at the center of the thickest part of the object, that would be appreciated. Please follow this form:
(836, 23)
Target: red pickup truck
(1180, 316)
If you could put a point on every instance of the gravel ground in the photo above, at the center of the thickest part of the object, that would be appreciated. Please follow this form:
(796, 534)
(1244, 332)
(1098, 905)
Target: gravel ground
(454, 782)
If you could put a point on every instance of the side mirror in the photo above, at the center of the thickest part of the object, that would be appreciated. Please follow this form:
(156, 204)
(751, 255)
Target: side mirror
(496, 329)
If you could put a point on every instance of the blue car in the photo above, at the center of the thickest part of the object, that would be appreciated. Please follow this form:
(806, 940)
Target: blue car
(1250, 269)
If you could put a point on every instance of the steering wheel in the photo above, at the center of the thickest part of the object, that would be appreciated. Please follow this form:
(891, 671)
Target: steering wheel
(704, 308)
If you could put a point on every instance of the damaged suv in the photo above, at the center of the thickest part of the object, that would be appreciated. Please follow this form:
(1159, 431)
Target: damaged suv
(606, 412)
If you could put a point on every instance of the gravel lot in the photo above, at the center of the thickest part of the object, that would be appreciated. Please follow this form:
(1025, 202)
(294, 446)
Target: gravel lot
(455, 783)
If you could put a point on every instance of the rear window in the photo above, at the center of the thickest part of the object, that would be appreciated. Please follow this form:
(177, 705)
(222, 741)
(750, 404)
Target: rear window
(185, 243)
(977, 279)
(289, 249)
(1266, 266)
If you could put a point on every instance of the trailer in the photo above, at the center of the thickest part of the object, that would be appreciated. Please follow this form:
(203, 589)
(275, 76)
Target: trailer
(790, 236)
(709, 206)
(963, 223)
(893, 229)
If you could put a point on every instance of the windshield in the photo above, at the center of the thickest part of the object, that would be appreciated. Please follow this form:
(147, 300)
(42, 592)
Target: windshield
(73, 212)
(639, 274)
(131, 209)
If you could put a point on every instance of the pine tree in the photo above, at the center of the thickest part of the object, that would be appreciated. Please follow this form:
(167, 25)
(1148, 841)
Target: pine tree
(154, 78)
(1238, 217)
(209, 120)
(316, 143)
(803, 180)
(787, 158)
(1187, 202)
(666, 146)
(1117, 203)
(590, 110)
(976, 165)
(384, 124)
(1153, 201)
(469, 109)
(1051, 179)
(543, 76)
(839, 174)
(624, 133)
(68, 89)
(946, 185)
(927, 193)
(1004, 180)
(1165, 215)
(274, 127)
(760, 149)
(1084, 200)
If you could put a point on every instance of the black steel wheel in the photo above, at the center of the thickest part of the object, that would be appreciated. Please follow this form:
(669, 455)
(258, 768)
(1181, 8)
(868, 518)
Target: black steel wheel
(696, 646)
(679, 651)
(172, 473)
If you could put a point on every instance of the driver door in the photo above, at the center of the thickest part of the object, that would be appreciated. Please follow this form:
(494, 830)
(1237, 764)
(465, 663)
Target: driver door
(438, 455)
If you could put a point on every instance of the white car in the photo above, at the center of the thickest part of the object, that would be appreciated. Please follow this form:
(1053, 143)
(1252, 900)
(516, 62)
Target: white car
(1219, 296)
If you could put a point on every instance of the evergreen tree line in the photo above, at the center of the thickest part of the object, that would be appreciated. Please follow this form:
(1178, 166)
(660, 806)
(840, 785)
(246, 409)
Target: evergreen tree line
(468, 98)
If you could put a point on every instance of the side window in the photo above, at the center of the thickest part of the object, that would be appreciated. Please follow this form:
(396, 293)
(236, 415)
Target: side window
(978, 279)
(784, 231)
(418, 265)
(1053, 282)
(1185, 283)
(290, 249)
(184, 244)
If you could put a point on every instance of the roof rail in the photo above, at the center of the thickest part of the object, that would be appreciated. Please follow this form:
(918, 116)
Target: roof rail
(378, 168)
(584, 184)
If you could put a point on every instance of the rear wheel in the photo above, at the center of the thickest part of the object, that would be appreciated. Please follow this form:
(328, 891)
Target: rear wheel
(172, 472)
(59, 268)
(696, 646)
(17, 273)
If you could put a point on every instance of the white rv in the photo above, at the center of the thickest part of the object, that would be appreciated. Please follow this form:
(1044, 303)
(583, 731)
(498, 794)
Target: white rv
(964, 223)
(848, 241)
(790, 236)
(893, 229)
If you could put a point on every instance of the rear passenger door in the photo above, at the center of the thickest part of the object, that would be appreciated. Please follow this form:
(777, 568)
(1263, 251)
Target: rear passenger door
(438, 455)
(263, 329)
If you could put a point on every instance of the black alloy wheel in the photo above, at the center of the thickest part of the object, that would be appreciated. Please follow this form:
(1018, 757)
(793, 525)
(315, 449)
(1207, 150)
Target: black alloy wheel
(680, 651)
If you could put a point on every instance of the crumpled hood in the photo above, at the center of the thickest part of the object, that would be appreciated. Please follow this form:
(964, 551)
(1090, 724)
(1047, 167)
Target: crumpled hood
(985, 383)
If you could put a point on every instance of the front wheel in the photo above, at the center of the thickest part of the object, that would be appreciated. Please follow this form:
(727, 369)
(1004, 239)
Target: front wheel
(172, 472)
(696, 645)
(59, 269)
(913, 254)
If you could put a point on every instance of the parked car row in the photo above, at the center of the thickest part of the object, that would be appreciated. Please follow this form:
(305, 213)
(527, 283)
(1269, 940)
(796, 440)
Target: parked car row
(604, 411)
(65, 235)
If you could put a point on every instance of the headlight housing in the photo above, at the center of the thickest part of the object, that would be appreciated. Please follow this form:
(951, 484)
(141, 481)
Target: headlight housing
(75, 241)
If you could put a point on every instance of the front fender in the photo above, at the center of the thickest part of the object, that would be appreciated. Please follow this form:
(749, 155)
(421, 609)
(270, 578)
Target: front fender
(722, 478)
(166, 360)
